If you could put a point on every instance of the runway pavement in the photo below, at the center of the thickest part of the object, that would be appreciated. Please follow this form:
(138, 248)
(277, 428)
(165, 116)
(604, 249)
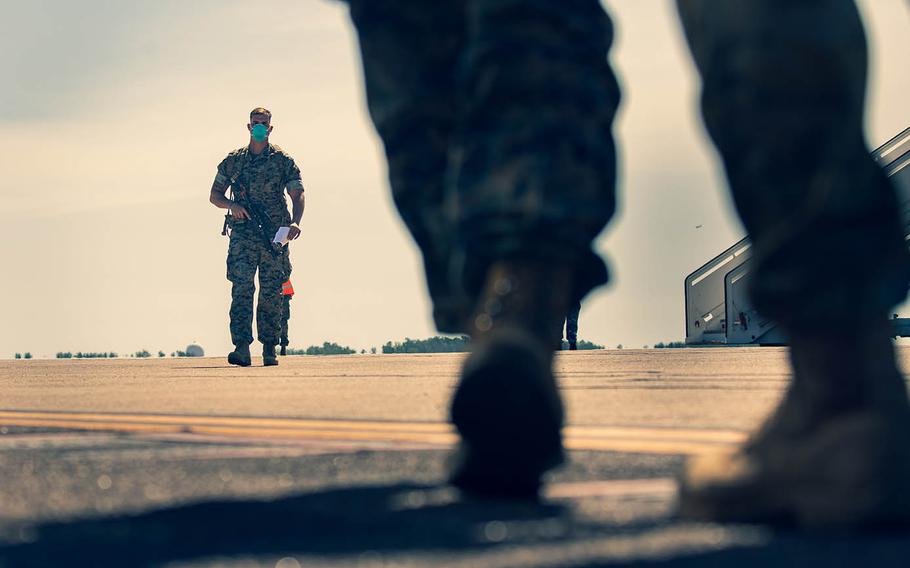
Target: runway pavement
(340, 461)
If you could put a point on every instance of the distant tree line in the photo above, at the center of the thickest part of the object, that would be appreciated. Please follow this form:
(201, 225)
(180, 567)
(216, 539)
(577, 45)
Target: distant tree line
(141, 354)
(583, 345)
(81, 355)
(436, 344)
(670, 345)
(327, 348)
(145, 353)
(26, 355)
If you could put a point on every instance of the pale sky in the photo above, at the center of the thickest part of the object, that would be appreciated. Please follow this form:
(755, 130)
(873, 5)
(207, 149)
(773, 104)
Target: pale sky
(113, 116)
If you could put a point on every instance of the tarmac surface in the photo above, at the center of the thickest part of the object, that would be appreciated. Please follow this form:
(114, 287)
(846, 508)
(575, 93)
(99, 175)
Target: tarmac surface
(340, 461)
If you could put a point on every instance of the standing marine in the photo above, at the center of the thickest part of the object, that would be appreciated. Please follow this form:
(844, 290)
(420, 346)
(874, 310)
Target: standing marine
(257, 175)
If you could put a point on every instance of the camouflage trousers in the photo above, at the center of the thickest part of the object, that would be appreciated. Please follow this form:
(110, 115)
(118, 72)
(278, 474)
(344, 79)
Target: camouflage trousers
(572, 322)
(285, 318)
(496, 117)
(246, 255)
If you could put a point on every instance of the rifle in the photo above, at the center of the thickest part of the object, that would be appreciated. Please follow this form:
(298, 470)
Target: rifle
(226, 227)
(259, 219)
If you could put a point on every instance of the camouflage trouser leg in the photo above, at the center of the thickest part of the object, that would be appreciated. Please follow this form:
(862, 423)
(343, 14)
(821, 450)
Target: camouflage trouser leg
(572, 322)
(285, 317)
(783, 95)
(245, 256)
(536, 170)
(242, 262)
(273, 271)
(496, 118)
(410, 49)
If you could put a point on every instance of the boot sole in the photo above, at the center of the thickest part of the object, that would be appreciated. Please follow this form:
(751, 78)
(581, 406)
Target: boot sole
(508, 412)
(239, 362)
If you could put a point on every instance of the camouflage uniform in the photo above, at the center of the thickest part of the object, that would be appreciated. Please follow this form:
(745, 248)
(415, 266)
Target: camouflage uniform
(260, 181)
(496, 117)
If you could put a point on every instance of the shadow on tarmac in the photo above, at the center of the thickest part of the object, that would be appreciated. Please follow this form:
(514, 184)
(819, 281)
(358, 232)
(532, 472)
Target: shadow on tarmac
(335, 522)
(366, 522)
(792, 551)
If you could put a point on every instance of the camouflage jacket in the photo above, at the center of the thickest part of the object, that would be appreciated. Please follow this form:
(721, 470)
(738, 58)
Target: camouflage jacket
(261, 181)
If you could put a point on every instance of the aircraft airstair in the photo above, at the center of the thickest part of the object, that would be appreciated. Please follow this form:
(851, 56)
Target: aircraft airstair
(718, 310)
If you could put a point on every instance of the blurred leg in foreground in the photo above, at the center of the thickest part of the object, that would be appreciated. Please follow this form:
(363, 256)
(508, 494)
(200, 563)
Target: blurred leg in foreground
(783, 96)
(496, 118)
(410, 50)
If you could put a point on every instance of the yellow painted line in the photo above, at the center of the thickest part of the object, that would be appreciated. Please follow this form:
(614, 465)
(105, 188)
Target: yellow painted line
(289, 433)
(642, 446)
(233, 421)
(687, 434)
(690, 434)
(617, 439)
(347, 435)
(94, 425)
(611, 488)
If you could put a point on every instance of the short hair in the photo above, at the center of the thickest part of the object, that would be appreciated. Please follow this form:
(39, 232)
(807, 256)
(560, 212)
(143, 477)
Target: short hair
(260, 110)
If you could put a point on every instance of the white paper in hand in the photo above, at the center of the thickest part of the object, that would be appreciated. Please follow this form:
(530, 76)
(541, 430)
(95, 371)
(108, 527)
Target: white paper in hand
(281, 236)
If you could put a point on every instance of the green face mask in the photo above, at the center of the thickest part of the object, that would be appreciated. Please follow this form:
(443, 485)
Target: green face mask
(260, 132)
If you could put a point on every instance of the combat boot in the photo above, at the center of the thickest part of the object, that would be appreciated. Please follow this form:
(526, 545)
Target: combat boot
(573, 346)
(284, 350)
(836, 453)
(269, 359)
(507, 407)
(240, 355)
